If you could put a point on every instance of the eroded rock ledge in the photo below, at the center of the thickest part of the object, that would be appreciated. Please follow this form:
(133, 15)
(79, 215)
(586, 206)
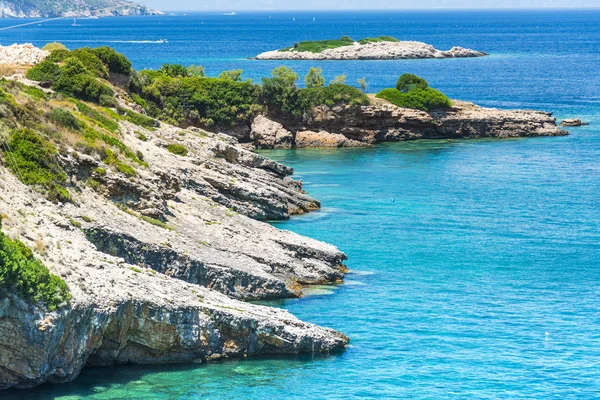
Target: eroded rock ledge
(348, 126)
(145, 291)
(374, 51)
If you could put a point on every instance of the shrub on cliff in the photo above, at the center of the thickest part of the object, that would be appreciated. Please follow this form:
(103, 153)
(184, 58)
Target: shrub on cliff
(314, 78)
(115, 62)
(332, 95)
(420, 99)
(75, 80)
(23, 274)
(46, 71)
(408, 82)
(54, 46)
(91, 62)
(66, 119)
(34, 161)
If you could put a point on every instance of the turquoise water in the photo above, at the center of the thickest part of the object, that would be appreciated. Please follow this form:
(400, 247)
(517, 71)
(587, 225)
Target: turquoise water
(475, 264)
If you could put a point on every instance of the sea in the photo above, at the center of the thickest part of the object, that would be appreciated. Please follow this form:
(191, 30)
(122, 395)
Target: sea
(474, 264)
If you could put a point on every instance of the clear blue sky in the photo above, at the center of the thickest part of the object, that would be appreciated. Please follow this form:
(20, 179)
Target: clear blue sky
(362, 4)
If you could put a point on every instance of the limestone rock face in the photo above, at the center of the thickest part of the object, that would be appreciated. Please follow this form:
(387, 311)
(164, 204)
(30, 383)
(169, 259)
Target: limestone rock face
(23, 54)
(384, 122)
(324, 139)
(373, 51)
(158, 263)
(267, 134)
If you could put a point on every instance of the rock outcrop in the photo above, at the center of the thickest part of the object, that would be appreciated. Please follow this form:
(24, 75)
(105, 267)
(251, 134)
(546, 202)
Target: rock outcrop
(158, 263)
(351, 126)
(373, 51)
(22, 54)
(573, 122)
(267, 134)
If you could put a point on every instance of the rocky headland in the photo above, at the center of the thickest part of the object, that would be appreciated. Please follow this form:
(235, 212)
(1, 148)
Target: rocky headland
(72, 8)
(157, 260)
(381, 50)
(353, 126)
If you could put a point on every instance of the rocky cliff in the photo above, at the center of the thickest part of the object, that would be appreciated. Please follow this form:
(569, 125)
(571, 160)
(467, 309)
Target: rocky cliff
(156, 260)
(351, 126)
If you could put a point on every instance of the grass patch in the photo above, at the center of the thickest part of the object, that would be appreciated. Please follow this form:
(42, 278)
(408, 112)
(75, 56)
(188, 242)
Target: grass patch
(155, 222)
(378, 39)
(178, 149)
(419, 99)
(318, 46)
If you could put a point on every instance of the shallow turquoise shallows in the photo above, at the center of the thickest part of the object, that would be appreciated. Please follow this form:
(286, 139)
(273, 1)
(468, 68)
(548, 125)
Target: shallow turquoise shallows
(475, 264)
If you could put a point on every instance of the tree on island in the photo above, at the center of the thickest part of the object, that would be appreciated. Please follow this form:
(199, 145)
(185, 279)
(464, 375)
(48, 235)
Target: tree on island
(314, 78)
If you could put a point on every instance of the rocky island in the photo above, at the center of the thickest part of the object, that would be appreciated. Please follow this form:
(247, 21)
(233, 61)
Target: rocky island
(132, 231)
(381, 48)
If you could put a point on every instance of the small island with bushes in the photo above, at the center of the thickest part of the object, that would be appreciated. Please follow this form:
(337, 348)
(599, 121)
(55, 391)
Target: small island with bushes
(376, 48)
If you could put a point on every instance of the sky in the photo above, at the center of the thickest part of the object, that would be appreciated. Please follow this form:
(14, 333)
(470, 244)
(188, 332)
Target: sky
(236, 5)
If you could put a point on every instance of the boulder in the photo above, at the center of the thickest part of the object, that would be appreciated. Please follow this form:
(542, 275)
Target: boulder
(267, 134)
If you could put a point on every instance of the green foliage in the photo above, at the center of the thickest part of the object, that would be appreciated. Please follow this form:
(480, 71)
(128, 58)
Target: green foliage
(34, 162)
(75, 80)
(155, 222)
(319, 45)
(105, 122)
(54, 46)
(65, 118)
(23, 274)
(362, 82)
(174, 70)
(195, 71)
(332, 95)
(340, 79)
(409, 82)
(178, 149)
(115, 62)
(280, 91)
(137, 118)
(197, 101)
(58, 55)
(232, 75)
(46, 71)
(420, 99)
(378, 39)
(125, 169)
(314, 78)
(91, 62)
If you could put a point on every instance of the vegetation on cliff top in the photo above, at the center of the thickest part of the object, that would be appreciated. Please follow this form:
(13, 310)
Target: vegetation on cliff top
(414, 92)
(23, 274)
(318, 46)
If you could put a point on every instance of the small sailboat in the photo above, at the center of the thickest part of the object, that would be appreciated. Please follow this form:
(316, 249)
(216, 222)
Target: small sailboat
(294, 19)
(163, 41)
(314, 20)
(74, 22)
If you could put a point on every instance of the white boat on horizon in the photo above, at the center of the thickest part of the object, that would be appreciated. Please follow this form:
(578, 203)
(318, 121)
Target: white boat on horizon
(163, 41)
(231, 13)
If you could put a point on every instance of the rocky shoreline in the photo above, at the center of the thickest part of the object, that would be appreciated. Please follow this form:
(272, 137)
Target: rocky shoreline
(373, 51)
(146, 292)
(356, 126)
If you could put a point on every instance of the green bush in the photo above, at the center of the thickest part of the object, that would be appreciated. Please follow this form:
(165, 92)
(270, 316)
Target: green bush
(115, 62)
(54, 46)
(34, 162)
(105, 122)
(318, 46)
(408, 82)
(58, 55)
(174, 70)
(178, 149)
(137, 118)
(420, 99)
(314, 78)
(44, 72)
(65, 118)
(378, 39)
(75, 80)
(23, 274)
(91, 62)
(232, 75)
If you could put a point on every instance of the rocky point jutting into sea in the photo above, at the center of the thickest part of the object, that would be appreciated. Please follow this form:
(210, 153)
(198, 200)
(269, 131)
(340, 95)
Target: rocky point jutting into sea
(158, 230)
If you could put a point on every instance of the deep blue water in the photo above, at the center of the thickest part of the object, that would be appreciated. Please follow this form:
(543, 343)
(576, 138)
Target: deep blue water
(476, 264)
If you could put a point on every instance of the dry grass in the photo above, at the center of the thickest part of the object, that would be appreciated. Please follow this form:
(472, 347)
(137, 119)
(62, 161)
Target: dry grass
(11, 69)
